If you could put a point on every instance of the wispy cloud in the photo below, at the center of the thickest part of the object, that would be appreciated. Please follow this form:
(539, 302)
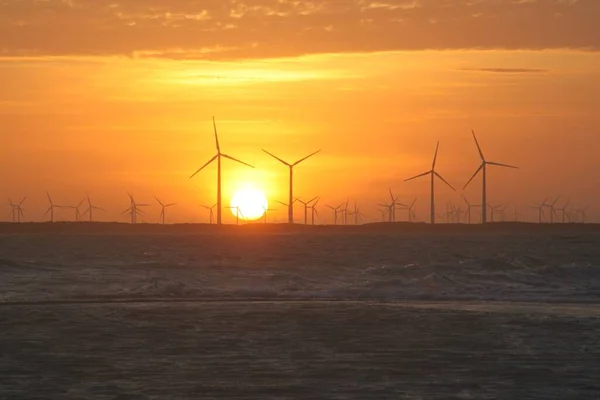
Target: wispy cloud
(274, 28)
(507, 70)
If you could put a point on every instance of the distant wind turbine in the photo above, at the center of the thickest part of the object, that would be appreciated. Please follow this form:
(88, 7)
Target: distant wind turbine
(552, 209)
(163, 208)
(212, 215)
(17, 210)
(357, 214)
(291, 195)
(134, 210)
(218, 158)
(433, 174)
(77, 211)
(91, 208)
(306, 207)
(313, 211)
(335, 212)
(483, 169)
(564, 213)
(51, 208)
(267, 209)
(238, 213)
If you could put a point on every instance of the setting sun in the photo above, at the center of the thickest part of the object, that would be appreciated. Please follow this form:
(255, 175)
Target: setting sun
(250, 203)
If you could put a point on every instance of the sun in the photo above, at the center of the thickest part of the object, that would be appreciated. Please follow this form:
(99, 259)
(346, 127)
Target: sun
(250, 203)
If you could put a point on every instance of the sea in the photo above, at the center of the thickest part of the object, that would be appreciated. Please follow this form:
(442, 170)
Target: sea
(334, 315)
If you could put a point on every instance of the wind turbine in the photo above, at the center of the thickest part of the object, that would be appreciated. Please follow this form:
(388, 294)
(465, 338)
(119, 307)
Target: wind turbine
(291, 167)
(76, 208)
(540, 209)
(313, 211)
(565, 215)
(357, 214)
(91, 209)
(164, 207)
(238, 212)
(433, 174)
(266, 211)
(211, 217)
(411, 211)
(51, 208)
(218, 158)
(552, 209)
(483, 169)
(17, 210)
(133, 209)
(388, 208)
(306, 207)
(394, 204)
(335, 212)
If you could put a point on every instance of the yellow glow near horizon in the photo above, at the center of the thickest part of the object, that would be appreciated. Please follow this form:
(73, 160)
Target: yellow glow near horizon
(249, 203)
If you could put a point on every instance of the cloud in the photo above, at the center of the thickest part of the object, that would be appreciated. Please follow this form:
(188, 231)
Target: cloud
(274, 28)
(507, 70)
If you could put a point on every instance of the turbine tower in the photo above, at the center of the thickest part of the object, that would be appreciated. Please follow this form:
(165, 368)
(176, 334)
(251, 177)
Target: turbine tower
(212, 214)
(164, 207)
(483, 169)
(77, 212)
(91, 208)
(291, 167)
(51, 208)
(306, 207)
(133, 209)
(17, 210)
(218, 158)
(433, 174)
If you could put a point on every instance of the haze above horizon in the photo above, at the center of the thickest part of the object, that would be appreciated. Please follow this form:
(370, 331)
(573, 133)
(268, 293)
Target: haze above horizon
(120, 98)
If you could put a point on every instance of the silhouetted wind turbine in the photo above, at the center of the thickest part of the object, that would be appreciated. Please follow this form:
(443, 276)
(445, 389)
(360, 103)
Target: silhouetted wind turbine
(291, 167)
(133, 209)
(238, 213)
(17, 210)
(356, 213)
(394, 205)
(91, 209)
(211, 217)
(335, 212)
(433, 174)
(565, 215)
(552, 209)
(313, 211)
(483, 169)
(164, 207)
(540, 209)
(306, 207)
(51, 208)
(76, 208)
(218, 158)
(266, 209)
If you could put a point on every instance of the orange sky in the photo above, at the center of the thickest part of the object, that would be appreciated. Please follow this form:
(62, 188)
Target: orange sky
(121, 100)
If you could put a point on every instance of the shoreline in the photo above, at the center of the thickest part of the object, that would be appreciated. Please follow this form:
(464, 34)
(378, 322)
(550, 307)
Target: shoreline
(9, 228)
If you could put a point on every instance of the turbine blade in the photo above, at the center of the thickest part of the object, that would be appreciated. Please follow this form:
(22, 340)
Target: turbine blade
(446, 182)
(126, 211)
(170, 205)
(435, 155)
(277, 158)
(474, 175)
(235, 159)
(501, 165)
(478, 147)
(201, 168)
(418, 176)
(466, 201)
(308, 156)
(216, 136)
(49, 199)
(310, 201)
(159, 202)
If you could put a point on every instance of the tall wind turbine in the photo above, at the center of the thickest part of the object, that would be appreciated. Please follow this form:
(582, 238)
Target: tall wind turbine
(291, 167)
(51, 208)
(164, 207)
(91, 208)
(357, 214)
(433, 174)
(565, 214)
(552, 209)
(483, 169)
(336, 210)
(218, 158)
